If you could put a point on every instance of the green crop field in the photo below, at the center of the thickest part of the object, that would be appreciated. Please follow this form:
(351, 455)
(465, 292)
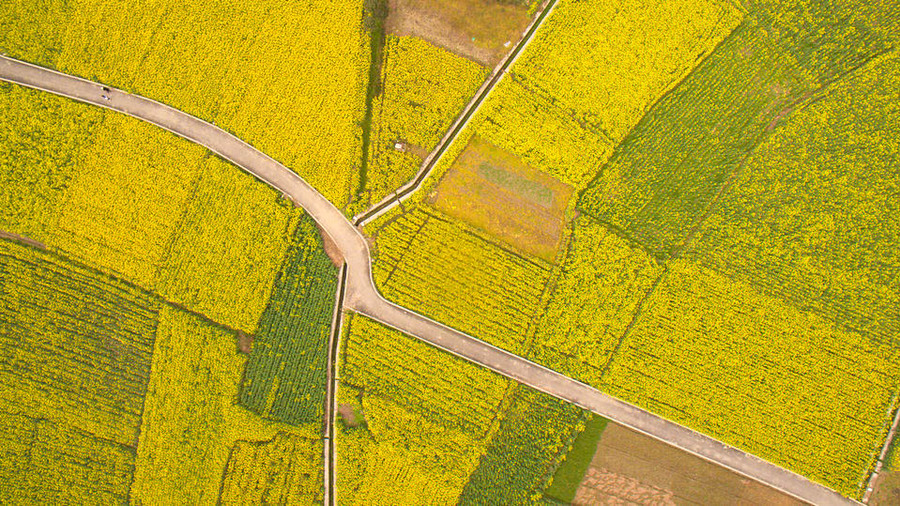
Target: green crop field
(285, 378)
(75, 436)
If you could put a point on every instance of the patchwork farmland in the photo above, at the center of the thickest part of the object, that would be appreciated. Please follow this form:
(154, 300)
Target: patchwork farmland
(688, 207)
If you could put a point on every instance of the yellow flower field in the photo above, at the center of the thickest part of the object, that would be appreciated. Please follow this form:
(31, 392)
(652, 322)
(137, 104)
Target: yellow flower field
(288, 77)
(191, 418)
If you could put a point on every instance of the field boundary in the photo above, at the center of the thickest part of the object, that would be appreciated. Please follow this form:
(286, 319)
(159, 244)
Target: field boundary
(405, 191)
(892, 433)
(331, 381)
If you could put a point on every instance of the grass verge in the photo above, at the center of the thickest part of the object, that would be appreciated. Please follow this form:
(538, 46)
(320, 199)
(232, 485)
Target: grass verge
(571, 472)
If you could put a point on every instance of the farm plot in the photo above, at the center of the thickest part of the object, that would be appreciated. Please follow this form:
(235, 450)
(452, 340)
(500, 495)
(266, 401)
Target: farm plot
(814, 217)
(112, 215)
(544, 135)
(38, 134)
(420, 426)
(191, 417)
(400, 457)
(606, 63)
(422, 89)
(143, 205)
(689, 146)
(451, 274)
(48, 463)
(531, 442)
(285, 376)
(630, 467)
(288, 80)
(447, 391)
(421, 418)
(495, 192)
(757, 373)
(74, 367)
(592, 300)
(281, 471)
(482, 31)
(223, 259)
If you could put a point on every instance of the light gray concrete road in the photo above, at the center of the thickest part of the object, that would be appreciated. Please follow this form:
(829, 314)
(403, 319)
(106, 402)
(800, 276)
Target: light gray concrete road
(362, 296)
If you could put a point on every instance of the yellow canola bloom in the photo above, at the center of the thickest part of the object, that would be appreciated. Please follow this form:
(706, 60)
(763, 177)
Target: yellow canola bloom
(423, 89)
(191, 418)
(787, 385)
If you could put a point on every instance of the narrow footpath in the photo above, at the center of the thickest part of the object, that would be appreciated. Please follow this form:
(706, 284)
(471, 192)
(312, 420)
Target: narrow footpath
(363, 297)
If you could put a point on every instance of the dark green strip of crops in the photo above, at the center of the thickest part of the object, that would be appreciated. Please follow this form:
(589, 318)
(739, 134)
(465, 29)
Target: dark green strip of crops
(527, 449)
(286, 374)
(376, 12)
(666, 173)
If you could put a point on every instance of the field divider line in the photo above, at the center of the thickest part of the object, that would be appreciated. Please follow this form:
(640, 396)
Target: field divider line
(892, 433)
(431, 161)
(331, 384)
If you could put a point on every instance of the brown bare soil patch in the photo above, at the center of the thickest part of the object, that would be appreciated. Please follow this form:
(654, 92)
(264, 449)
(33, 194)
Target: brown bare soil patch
(22, 239)
(331, 248)
(480, 30)
(886, 489)
(492, 190)
(601, 486)
(244, 342)
(632, 468)
(348, 415)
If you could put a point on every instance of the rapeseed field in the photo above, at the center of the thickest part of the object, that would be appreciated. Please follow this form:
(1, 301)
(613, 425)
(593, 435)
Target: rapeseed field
(180, 233)
(287, 77)
(715, 182)
(727, 259)
(421, 90)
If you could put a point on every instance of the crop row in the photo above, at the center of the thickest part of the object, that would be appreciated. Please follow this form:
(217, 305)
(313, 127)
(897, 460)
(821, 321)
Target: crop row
(607, 62)
(451, 274)
(285, 376)
(143, 205)
(404, 457)
(191, 419)
(281, 471)
(519, 121)
(531, 442)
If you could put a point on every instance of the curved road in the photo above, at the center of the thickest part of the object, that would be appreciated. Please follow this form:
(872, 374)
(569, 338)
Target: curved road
(362, 296)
